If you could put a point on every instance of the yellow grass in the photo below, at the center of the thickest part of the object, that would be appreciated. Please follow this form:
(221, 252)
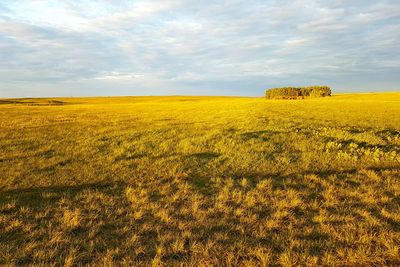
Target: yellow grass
(200, 181)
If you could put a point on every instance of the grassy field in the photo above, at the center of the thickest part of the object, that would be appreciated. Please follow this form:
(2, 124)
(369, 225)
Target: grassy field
(200, 181)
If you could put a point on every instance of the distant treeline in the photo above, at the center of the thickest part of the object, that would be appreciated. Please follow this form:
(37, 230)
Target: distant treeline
(298, 92)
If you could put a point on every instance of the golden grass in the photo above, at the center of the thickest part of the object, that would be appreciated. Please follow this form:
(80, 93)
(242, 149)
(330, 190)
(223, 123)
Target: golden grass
(200, 181)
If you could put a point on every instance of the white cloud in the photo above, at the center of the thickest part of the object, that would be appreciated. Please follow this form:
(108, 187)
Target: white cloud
(295, 42)
(119, 76)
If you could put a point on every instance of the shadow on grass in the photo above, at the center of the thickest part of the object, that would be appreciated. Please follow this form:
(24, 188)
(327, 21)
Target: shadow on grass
(388, 132)
(35, 102)
(263, 135)
(205, 155)
(280, 179)
(41, 196)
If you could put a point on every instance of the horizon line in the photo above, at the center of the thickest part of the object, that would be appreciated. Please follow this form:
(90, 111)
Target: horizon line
(188, 95)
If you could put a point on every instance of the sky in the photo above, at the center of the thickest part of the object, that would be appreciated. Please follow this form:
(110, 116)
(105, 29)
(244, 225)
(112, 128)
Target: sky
(177, 47)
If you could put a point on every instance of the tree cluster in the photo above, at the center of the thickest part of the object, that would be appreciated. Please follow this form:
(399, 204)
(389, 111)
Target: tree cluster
(298, 92)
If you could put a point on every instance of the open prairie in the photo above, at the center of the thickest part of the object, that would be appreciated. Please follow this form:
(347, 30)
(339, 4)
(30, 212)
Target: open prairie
(200, 181)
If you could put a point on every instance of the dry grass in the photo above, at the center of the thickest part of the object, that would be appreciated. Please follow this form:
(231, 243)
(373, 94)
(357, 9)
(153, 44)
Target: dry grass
(200, 181)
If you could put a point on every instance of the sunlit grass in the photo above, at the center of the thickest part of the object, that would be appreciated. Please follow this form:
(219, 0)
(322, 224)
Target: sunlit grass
(200, 181)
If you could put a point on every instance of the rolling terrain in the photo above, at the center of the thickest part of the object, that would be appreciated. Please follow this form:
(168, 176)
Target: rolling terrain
(200, 181)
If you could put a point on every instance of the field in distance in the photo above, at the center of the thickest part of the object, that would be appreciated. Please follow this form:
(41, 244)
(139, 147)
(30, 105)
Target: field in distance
(200, 181)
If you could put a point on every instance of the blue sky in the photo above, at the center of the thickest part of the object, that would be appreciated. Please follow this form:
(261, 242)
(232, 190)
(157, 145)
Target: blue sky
(85, 48)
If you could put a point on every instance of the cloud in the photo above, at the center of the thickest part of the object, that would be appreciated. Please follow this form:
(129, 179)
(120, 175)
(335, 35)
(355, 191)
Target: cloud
(119, 76)
(163, 47)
